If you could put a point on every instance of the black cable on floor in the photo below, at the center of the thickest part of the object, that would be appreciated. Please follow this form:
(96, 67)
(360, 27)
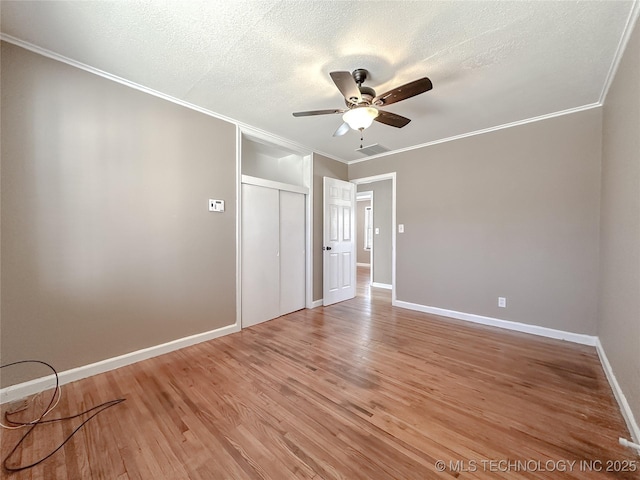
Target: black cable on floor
(32, 425)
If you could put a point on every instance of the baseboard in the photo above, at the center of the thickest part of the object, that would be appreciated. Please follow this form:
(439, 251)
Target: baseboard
(363, 264)
(381, 285)
(619, 394)
(21, 390)
(316, 303)
(506, 324)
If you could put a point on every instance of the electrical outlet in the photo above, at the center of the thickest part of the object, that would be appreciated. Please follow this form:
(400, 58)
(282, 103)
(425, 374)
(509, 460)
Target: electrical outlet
(502, 302)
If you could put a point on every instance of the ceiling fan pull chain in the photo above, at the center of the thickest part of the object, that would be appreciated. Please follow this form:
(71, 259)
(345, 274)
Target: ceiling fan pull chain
(361, 136)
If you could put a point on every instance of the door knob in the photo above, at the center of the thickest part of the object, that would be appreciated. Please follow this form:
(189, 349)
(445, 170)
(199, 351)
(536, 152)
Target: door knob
(326, 248)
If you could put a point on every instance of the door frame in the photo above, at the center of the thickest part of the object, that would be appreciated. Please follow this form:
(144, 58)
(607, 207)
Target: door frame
(377, 178)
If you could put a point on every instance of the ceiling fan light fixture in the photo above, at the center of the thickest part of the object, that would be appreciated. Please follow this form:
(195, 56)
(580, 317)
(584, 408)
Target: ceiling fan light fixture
(360, 117)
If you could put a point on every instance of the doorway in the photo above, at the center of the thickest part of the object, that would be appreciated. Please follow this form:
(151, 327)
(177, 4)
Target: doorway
(364, 233)
(383, 247)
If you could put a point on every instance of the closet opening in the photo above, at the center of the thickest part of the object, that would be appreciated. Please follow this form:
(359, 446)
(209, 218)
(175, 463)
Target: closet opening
(274, 229)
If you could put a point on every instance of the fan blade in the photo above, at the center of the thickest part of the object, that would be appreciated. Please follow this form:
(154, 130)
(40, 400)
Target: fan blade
(392, 119)
(342, 129)
(347, 86)
(405, 91)
(317, 112)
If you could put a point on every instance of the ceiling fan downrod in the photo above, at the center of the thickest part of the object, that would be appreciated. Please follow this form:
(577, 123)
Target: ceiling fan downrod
(360, 75)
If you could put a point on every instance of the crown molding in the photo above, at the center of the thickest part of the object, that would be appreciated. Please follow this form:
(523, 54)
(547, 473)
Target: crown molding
(622, 45)
(114, 78)
(483, 131)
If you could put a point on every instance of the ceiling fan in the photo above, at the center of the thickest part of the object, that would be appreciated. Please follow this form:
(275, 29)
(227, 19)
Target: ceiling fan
(363, 103)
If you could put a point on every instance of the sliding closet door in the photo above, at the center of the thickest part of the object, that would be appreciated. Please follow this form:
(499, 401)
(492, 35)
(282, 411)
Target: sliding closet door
(292, 252)
(260, 254)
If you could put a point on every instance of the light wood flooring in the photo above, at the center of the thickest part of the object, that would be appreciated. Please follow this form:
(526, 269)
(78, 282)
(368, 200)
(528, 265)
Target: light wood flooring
(358, 390)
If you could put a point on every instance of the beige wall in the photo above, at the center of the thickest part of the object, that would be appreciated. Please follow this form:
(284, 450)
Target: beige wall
(511, 213)
(322, 167)
(363, 256)
(619, 316)
(107, 244)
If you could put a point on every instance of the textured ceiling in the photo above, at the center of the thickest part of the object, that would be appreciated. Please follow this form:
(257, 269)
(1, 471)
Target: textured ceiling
(491, 63)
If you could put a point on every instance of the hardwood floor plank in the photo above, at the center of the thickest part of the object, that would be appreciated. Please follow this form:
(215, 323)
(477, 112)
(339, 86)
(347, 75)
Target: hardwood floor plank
(357, 390)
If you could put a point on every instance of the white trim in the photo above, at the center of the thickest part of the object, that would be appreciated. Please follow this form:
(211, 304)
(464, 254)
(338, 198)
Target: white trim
(263, 182)
(626, 443)
(506, 324)
(358, 264)
(256, 132)
(630, 420)
(393, 238)
(315, 304)
(21, 390)
(483, 131)
(309, 233)
(364, 196)
(373, 178)
(622, 45)
(238, 226)
(386, 286)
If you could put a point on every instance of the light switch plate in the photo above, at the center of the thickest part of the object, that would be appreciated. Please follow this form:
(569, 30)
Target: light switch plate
(401, 228)
(216, 205)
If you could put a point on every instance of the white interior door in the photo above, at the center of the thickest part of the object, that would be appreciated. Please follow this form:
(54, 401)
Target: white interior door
(260, 254)
(292, 252)
(339, 259)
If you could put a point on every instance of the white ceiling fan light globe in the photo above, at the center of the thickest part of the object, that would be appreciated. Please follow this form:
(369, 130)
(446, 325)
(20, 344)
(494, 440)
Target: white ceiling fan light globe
(360, 117)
